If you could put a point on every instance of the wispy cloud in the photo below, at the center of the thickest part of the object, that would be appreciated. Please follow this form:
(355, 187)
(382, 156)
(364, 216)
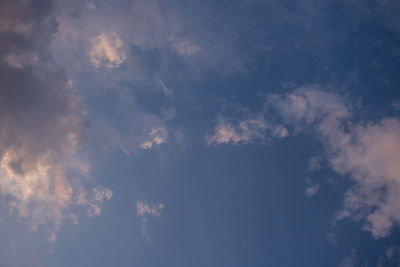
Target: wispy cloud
(156, 136)
(391, 257)
(145, 211)
(184, 47)
(250, 130)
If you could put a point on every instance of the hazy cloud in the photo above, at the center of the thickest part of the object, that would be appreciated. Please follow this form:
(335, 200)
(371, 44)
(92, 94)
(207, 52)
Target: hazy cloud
(246, 131)
(107, 51)
(184, 47)
(311, 190)
(391, 257)
(349, 260)
(145, 211)
(156, 136)
(42, 122)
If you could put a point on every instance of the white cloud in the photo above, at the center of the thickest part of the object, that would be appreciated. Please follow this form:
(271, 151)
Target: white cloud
(370, 155)
(107, 51)
(144, 211)
(367, 153)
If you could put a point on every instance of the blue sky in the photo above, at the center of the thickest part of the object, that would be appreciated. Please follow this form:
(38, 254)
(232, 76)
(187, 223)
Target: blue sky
(199, 133)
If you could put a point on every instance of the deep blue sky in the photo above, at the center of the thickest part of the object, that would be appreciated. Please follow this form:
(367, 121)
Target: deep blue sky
(199, 133)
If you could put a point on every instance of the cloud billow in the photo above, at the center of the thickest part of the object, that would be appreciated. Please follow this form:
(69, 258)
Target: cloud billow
(42, 123)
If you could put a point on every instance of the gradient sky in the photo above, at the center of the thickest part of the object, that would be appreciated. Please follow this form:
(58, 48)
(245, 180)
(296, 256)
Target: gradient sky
(204, 133)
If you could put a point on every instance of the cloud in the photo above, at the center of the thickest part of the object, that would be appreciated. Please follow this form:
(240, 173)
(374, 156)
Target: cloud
(20, 60)
(184, 47)
(144, 211)
(157, 136)
(42, 121)
(107, 51)
(140, 130)
(246, 131)
(391, 257)
(311, 190)
(370, 154)
(350, 260)
(314, 163)
(95, 201)
(366, 152)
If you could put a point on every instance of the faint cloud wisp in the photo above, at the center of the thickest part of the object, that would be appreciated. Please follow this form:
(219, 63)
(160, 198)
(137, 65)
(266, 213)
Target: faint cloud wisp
(144, 211)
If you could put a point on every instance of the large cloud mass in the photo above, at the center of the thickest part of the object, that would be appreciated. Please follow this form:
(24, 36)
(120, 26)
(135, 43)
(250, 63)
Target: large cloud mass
(368, 153)
(41, 123)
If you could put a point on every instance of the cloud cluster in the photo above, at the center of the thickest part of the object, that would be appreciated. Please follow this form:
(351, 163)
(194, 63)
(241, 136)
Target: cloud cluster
(144, 211)
(42, 124)
(366, 152)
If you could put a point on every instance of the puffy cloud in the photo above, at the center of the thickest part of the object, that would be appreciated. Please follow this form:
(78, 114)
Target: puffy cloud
(310, 106)
(38, 188)
(107, 51)
(370, 154)
(42, 122)
(367, 153)
(144, 211)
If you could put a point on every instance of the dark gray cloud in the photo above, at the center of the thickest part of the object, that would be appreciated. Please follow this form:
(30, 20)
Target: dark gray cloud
(42, 122)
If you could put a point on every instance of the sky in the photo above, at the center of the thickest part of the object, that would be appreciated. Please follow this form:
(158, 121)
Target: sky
(199, 133)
